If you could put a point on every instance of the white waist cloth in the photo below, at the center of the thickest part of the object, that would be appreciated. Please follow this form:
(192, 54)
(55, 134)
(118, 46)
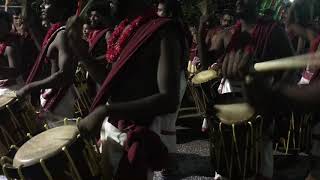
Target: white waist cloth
(227, 86)
(167, 122)
(113, 139)
(65, 108)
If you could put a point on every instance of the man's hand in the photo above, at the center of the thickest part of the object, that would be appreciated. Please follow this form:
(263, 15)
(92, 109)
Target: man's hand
(236, 65)
(91, 125)
(21, 93)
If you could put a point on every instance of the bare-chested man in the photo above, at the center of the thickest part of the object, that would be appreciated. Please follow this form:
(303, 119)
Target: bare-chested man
(255, 40)
(9, 56)
(213, 41)
(282, 97)
(172, 9)
(143, 85)
(55, 81)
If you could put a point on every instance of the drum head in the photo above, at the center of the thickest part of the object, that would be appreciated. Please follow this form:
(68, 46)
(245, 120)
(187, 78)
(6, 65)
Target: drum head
(6, 98)
(234, 113)
(45, 145)
(204, 76)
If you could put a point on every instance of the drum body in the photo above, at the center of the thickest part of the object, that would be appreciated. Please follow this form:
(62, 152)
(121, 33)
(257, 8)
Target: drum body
(293, 133)
(82, 90)
(17, 122)
(235, 143)
(56, 154)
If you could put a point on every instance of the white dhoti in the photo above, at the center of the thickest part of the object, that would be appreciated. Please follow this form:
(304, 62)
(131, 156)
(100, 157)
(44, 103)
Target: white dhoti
(112, 140)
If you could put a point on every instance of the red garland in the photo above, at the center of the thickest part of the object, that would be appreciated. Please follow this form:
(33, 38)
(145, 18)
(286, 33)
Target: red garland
(120, 36)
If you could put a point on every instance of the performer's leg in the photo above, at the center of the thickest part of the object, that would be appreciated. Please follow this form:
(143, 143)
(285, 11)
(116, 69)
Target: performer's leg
(315, 153)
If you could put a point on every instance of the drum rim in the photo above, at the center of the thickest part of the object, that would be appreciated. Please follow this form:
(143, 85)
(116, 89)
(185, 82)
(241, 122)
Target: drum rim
(36, 160)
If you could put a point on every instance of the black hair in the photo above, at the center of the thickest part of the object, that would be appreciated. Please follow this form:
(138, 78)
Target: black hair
(173, 7)
(102, 8)
(16, 11)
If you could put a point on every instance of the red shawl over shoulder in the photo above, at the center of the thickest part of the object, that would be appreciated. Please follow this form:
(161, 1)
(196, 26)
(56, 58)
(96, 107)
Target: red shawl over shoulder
(139, 38)
(42, 60)
(143, 148)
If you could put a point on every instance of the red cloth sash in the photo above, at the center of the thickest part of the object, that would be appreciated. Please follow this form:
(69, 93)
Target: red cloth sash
(41, 61)
(3, 47)
(255, 43)
(95, 36)
(138, 39)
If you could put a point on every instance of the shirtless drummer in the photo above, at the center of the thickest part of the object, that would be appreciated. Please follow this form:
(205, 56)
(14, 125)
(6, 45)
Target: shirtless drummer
(56, 59)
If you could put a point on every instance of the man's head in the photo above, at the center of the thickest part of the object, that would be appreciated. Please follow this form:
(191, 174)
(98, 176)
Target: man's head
(226, 19)
(121, 9)
(17, 17)
(58, 10)
(5, 24)
(246, 9)
(169, 8)
(98, 14)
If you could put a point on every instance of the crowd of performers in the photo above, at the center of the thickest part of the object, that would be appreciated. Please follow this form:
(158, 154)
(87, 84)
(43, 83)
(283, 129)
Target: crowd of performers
(126, 67)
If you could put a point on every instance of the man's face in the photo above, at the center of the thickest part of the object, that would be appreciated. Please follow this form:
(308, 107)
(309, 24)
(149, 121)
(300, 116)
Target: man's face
(48, 11)
(161, 10)
(245, 8)
(17, 20)
(226, 20)
(85, 30)
(4, 28)
(119, 8)
(95, 19)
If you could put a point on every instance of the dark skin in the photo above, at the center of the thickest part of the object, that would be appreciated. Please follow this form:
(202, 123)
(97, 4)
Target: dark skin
(60, 55)
(209, 43)
(235, 63)
(9, 63)
(150, 86)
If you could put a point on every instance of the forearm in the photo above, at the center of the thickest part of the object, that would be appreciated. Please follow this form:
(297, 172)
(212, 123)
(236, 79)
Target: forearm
(55, 80)
(305, 98)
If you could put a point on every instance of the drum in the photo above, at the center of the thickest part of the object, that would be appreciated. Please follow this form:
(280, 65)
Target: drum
(235, 138)
(17, 122)
(83, 101)
(56, 154)
(203, 87)
(293, 133)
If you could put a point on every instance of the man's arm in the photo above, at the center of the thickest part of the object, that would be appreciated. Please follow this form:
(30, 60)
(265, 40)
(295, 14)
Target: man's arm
(63, 76)
(11, 71)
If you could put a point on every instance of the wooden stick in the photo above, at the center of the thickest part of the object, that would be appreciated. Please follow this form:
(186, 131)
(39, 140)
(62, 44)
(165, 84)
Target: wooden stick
(294, 62)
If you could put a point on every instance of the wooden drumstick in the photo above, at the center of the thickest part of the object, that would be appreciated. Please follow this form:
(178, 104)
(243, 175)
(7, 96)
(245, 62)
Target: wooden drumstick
(294, 62)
